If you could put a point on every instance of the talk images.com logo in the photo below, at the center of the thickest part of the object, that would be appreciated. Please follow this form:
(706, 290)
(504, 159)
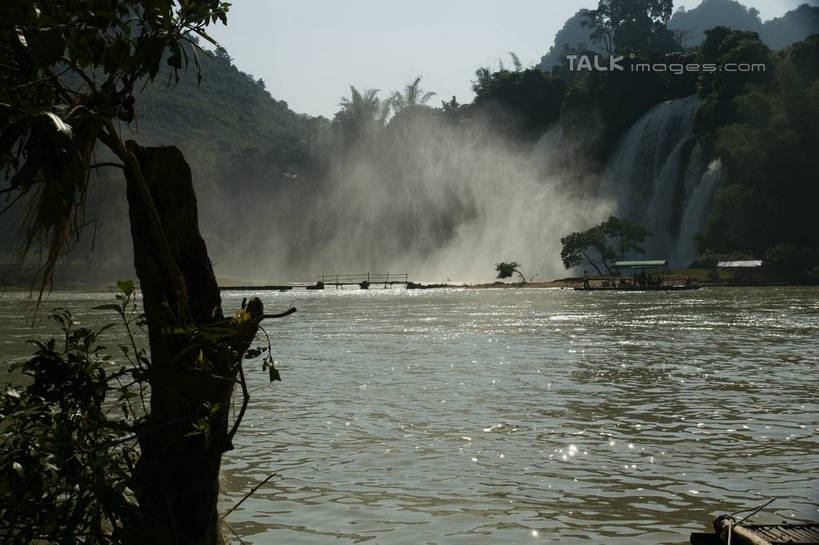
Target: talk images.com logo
(596, 63)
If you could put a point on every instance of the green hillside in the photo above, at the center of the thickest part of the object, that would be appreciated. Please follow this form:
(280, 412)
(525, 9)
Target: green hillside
(228, 112)
(235, 136)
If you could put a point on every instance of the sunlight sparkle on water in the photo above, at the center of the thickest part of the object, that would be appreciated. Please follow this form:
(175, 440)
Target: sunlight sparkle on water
(404, 436)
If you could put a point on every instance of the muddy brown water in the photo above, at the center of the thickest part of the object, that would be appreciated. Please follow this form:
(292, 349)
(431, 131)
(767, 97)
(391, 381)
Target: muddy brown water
(516, 416)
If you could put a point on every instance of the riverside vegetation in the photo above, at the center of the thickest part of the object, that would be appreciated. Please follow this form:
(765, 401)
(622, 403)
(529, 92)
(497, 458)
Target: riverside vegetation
(69, 81)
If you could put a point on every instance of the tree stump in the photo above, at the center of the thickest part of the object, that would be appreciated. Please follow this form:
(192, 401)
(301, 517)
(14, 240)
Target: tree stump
(195, 355)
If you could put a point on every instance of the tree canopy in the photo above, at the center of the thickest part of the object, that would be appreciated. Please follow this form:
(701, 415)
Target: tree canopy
(603, 244)
(69, 75)
(524, 101)
(638, 25)
(763, 128)
(506, 270)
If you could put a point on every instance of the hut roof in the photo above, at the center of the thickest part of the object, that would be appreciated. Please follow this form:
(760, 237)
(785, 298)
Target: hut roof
(635, 264)
(748, 263)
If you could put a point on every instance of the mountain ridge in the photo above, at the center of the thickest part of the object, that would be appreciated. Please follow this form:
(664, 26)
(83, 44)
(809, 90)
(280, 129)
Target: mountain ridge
(690, 26)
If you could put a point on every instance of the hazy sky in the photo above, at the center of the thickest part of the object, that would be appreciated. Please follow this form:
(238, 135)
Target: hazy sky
(310, 51)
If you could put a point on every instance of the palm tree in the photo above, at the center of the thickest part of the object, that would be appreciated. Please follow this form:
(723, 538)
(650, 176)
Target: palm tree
(363, 107)
(360, 115)
(413, 95)
(516, 61)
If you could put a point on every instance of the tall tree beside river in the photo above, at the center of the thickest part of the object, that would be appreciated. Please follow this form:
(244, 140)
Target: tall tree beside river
(67, 86)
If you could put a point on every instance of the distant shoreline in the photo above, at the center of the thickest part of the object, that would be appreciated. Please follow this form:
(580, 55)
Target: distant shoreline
(26, 280)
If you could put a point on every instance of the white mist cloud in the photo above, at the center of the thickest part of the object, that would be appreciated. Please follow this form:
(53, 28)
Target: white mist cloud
(430, 198)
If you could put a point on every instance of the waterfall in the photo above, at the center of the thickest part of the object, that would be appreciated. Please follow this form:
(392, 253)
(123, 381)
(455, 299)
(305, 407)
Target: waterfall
(657, 177)
(696, 213)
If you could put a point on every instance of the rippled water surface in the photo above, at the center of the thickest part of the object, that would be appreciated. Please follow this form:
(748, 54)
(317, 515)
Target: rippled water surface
(519, 416)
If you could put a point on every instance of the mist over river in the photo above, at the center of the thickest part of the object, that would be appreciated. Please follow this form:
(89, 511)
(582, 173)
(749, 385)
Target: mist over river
(515, 416)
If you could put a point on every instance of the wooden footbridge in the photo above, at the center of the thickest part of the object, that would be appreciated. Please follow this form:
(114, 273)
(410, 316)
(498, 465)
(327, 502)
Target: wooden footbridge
(363, 281)
(366, 280)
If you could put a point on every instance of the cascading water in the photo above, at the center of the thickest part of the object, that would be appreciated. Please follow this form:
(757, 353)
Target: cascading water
(658, 178)
(695, 213)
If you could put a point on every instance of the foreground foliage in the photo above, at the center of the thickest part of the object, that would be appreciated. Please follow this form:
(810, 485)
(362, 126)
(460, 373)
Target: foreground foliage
(68, 444)
(69, 438)
(69, 75)
(69, 78)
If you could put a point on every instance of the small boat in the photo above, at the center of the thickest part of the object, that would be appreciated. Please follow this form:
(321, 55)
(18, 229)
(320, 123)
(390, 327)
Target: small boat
(638, 288)
(649, 275)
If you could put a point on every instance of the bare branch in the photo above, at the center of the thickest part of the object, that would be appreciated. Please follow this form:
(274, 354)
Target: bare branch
(80, 72)
(287, 312)
(252, 491)
(13, 201)
(245, 399)
(107, 164)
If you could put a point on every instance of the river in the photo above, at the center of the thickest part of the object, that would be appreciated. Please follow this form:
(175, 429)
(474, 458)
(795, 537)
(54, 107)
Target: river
(517, 416)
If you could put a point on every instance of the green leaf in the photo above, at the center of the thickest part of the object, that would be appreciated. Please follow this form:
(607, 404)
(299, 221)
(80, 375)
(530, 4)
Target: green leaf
(103, 329)
(126, 286)
(269, 366)
(274, 374)
(51, 45)
(207, 37)
(109, 306)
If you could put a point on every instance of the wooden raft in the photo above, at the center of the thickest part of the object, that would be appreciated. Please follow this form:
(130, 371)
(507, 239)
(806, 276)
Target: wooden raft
(777, 534)
(759, 534)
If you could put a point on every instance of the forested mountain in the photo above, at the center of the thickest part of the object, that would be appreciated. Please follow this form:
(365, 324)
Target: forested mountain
(692, 24)
(572, 35)
(227, 112)
(791, 27)
(239, 141)
(689, 27)
(777, 33)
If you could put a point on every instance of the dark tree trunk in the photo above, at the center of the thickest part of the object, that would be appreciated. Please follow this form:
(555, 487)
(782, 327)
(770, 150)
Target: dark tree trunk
(195, 354)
